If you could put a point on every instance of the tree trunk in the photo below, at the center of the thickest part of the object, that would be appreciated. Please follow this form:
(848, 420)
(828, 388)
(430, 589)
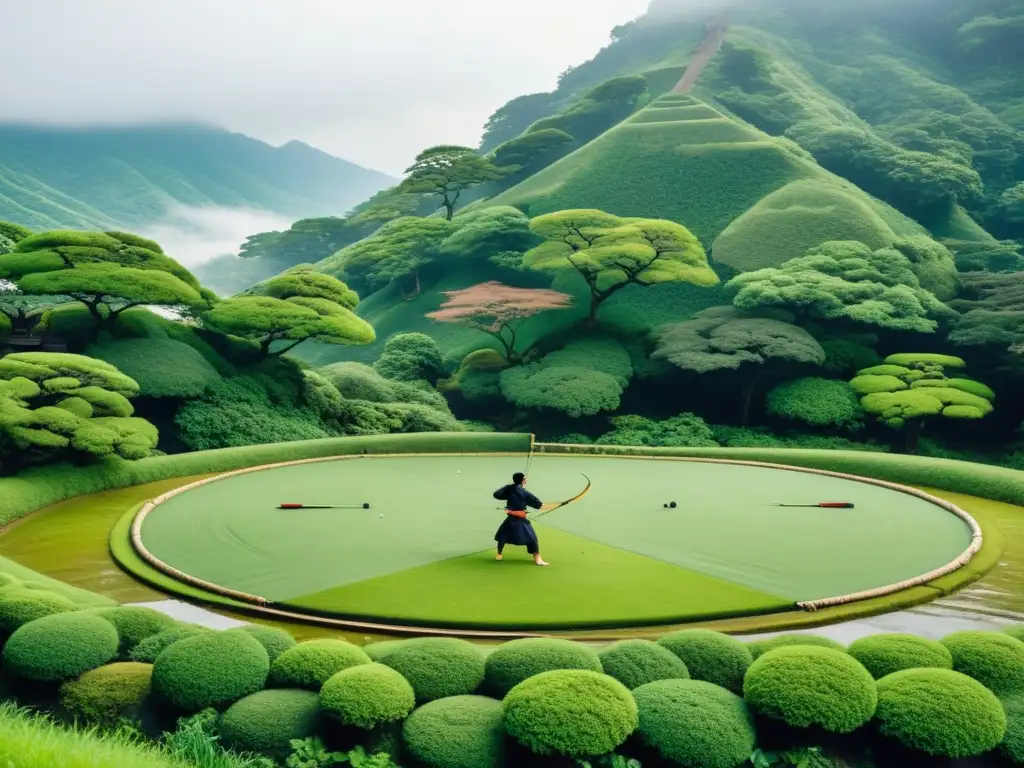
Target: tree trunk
(748, 398)
(449, 208)
(912, 435)
(595, 305)
(94, 310)
(287, 349)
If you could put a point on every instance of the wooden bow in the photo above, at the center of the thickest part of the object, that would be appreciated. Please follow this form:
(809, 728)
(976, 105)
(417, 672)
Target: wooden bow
(558, 505)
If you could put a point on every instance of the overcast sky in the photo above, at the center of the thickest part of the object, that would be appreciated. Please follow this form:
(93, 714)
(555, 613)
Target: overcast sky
(371, 81)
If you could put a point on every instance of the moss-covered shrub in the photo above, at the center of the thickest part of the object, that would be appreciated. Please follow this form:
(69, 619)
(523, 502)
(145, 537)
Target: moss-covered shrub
(993, 659)
(711, 656)
(274, 641)
(60, 646)
(312, 663)
(135, 623)
(267, 721)
(162, 367)
(759, 647)
(457, 732)
(806, 686)
(210, 670)
(636, 662)
(573, 712)
(512, 662)
(367, 696)
(882, 655)
(377, 651)
(940, 712)
(20, 606)
(695, 724)
(104, 694)
(438, 667)
(1013, 742)
(152, 646)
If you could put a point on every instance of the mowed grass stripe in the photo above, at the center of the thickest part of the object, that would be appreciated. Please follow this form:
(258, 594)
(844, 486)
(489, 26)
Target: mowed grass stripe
(230, 532)
(590, 585)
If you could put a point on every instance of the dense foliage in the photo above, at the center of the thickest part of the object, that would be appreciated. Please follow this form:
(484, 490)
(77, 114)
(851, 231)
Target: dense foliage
(805, 686)
(939, 712)
(576, 713)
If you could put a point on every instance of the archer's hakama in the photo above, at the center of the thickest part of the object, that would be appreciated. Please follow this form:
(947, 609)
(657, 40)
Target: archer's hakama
(517, 531)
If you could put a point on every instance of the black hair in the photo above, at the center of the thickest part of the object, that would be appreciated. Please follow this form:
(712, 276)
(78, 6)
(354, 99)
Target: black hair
(518, 478)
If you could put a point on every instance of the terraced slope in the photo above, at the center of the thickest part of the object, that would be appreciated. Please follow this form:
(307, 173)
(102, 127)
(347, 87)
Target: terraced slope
(729, 183)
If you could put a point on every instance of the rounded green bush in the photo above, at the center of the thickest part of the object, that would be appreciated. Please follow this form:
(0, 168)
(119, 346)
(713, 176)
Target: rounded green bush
(152, 646)
(367, 695)
(457, 732)
(102, 695)
(759, 647)
(572, 712)
(438, 667)
(267, 721)
(21, 606)
(1015, 630)
(312, 663)
(274, 641)
(59, 646)
(135, 623)
(711, 656)
(806, 686)
(695, 724)
(512, 662)
(940, 712)
(1013, 742)
(636, 662)
(210, 670)
(882, 655)
(377, 651)
(994, 659)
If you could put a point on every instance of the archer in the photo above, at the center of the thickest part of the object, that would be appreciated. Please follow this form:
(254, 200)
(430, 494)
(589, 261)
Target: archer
(516, 529)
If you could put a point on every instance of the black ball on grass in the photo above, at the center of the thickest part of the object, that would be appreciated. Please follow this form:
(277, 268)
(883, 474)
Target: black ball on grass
(665, 506)
(672, 505)
(366, 505)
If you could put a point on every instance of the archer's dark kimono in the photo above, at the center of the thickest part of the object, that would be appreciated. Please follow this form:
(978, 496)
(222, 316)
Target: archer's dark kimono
(516, 530)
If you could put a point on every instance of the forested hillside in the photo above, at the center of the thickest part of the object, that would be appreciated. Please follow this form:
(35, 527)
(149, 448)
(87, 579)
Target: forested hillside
(87, 178)
(813, 239)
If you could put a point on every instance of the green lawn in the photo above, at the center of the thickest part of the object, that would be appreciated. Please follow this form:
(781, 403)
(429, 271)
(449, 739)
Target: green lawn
(422, 553)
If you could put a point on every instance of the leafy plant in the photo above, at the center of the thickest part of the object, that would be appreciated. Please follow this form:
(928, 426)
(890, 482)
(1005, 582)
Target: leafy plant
(804, 757)
(610, 761)
(311, 753)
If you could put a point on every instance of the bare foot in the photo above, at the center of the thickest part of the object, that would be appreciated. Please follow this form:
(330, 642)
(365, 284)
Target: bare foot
(538, 561)
(498, 557)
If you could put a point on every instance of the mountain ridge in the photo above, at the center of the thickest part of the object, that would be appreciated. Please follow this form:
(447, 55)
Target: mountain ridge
(80, 177)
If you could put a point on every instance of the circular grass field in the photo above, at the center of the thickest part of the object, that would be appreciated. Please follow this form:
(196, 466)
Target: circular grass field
(422, 554)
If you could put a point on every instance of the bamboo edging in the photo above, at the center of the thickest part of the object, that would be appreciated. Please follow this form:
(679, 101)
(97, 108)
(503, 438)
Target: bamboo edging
(568, 450)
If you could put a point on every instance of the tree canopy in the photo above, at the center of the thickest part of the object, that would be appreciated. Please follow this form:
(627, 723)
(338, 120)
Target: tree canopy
(585, 378)
(396, 251)
(610, 252)
(447, 171)
(410, 357)
(107, 272)
(296, 306)
(56, 406)
(727, 339)
(992, 308)
(910, 388)
(498, 310)
(845, 281)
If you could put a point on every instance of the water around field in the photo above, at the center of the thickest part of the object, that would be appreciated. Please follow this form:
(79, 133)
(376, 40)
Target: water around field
(68, 541)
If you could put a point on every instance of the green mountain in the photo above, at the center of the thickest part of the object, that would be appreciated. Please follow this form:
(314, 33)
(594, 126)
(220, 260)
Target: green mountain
(127, 177)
